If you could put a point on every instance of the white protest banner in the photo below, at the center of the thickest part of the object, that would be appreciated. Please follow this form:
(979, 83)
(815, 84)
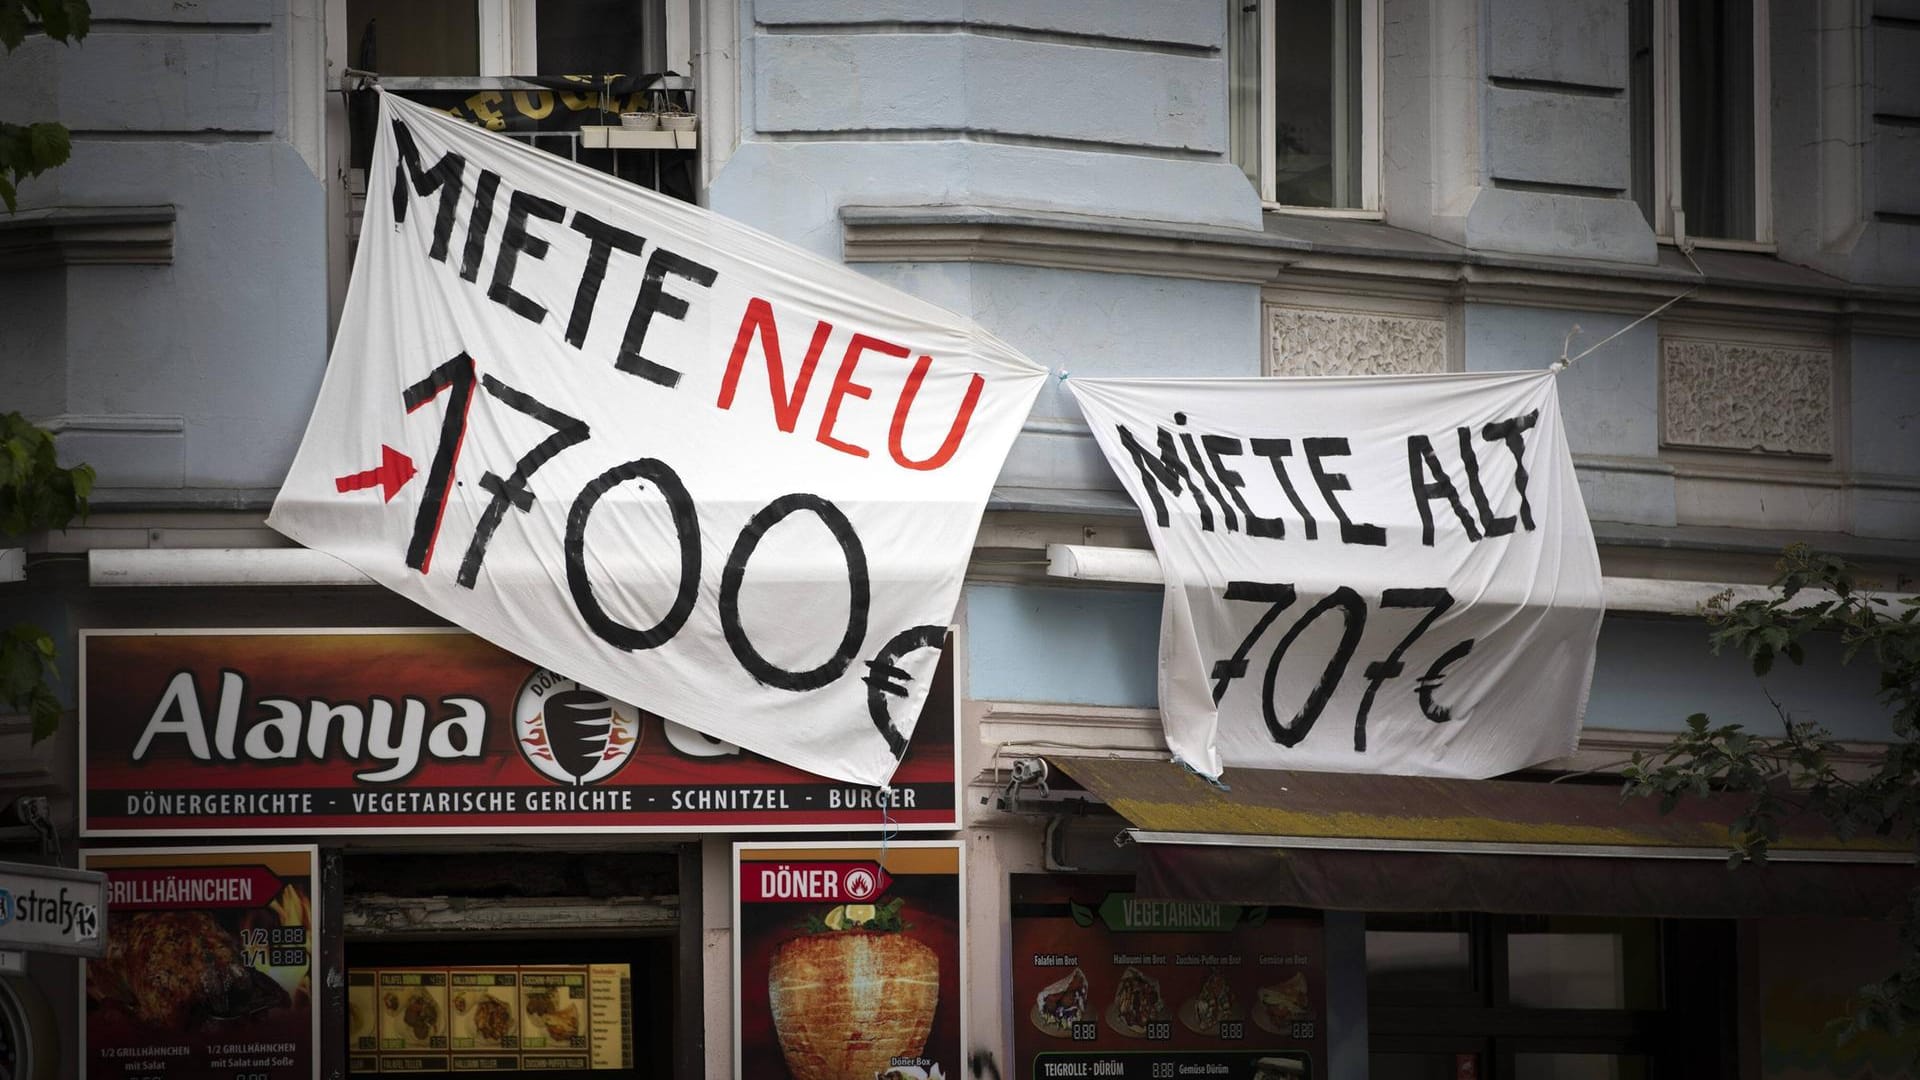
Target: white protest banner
(661, 453)
(1391, 574)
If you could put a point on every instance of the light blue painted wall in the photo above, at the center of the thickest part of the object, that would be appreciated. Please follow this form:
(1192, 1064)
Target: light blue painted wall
(1101, 647)
(1555, 134)
(215, 358)
(1885, 435)
(1072, 646)
(1116, 109)
(231, 337)
(1609, 400)
(1653, 673)
(1084, 323)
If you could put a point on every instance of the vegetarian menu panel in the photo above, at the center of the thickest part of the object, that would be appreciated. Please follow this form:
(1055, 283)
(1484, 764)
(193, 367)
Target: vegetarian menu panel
(496, 1018)
(1106, 984)
(208, 969)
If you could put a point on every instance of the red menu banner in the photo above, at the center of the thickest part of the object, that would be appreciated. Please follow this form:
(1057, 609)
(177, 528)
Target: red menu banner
(426, 731)
(209, 966)
(860, 980)
(1106, 984)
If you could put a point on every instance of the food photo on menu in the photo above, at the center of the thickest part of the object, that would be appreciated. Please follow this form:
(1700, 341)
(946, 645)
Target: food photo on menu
(552, 1005)
(1213, 1005)
(855, 991)
(207, 968)
(413, 1010)
(179, 971)
(1136, 1003)
(1061, 1004)
(485, 1010)
(1113, 984)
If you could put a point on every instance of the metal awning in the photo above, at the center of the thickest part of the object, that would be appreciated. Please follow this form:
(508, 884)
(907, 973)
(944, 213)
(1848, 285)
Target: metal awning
(1400, 843)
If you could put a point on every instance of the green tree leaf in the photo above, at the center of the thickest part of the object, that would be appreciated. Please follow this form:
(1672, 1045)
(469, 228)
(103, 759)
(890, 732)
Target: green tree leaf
(1794, 772)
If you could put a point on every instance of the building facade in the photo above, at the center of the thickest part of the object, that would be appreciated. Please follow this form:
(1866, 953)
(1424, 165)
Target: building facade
(1711, 209)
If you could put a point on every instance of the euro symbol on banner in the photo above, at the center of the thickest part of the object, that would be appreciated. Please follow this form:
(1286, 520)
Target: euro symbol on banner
(886, 679)
(392, 474)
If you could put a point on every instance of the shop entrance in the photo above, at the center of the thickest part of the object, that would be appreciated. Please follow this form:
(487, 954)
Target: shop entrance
(561, 966)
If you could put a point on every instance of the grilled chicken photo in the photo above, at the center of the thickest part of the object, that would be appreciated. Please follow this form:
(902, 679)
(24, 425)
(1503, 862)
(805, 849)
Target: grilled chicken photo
(174, 969)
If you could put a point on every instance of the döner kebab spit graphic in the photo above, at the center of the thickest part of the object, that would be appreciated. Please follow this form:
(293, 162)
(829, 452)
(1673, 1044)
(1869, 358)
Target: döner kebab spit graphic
(853, 993)
(850, 961)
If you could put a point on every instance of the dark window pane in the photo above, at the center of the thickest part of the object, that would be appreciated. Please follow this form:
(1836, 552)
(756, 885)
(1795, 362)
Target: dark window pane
(1557, 962)
(1715, 73)
(1419, 957)
(1561, 1066)
(1317, 103)
(1243, 87)
(592, 37)
(1418, 963)
(422, 37)
(1640, 103)
(1415, 1066)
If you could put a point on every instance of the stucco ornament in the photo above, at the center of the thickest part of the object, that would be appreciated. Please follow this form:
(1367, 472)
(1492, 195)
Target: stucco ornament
(1305, 341)
(1728, 396)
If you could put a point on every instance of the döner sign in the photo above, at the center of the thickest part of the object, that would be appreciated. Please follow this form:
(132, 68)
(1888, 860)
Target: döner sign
(629, 439)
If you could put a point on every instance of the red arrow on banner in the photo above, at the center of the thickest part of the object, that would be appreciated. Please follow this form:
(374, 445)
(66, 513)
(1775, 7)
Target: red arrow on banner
(392, 474)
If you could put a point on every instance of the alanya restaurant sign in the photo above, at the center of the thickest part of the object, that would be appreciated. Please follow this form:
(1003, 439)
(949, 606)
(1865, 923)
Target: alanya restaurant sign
(380, 731)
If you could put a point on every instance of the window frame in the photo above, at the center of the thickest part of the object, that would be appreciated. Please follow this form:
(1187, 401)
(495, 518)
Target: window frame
(1369, 113)
(509, 36)
(1681, 1029)
(1669, 226)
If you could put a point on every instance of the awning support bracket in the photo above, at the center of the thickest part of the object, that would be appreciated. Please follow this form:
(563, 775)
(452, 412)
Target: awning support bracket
(1053, 846)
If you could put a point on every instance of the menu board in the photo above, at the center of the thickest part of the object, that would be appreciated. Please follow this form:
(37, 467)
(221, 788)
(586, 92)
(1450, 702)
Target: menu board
(496, 1018)
(848, 961)
(208, 970)
(1111, 985)
(363, 1021)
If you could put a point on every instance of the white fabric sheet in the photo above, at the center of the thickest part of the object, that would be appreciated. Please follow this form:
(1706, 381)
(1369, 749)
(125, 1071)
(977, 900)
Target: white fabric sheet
(1344, 548)
(557, 414)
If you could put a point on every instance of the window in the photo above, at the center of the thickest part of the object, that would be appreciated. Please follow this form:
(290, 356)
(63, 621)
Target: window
(1548, 997)
(511, 66)
(431, 37)
(1304, 101)
(508, 37)
(1700, 138)
(554, 74)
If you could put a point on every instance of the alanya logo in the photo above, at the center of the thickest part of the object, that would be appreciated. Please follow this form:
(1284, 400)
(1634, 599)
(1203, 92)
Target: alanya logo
(570, 734)
(390, 737)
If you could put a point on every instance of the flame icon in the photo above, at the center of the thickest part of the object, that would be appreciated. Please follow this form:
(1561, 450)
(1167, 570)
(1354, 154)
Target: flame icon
(537, 740)
(619, 737)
